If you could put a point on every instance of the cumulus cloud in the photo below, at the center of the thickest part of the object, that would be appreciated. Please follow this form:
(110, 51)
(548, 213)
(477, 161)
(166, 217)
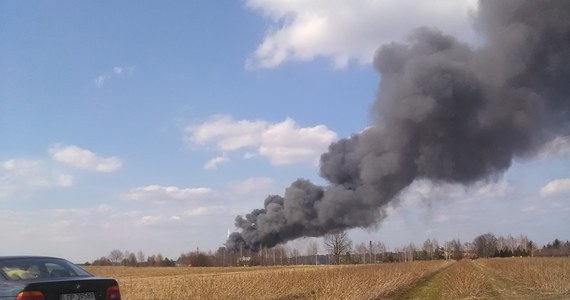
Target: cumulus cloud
(84, 159)
(163, 194)
(226, 133)
(215, 162)
(556, 187)
(148, 220)
(20, 166)
(5, 214)
(204, 211)
(530, 209)
(259, 185)
(105, 208)
(285, 143)
(282, 143)
(427, 191)
(441, 218)
(349, 30)
(559, 146)
(21, 176)
(115, 72)
(65, 180)
(67, 212)
(495, 189)
(249, 155)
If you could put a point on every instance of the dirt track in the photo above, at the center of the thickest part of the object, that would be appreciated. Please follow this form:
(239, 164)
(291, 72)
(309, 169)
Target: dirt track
(469, 279)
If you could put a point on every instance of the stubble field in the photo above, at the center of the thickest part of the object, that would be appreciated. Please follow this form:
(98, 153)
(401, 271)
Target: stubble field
(512, 278)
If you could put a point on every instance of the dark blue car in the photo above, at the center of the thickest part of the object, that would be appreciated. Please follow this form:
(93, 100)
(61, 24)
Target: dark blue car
(50, 278)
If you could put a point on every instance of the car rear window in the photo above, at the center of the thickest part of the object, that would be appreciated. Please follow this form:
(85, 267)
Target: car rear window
(38, 268)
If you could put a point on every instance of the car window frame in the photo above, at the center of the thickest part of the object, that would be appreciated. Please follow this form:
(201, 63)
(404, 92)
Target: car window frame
(42, 263)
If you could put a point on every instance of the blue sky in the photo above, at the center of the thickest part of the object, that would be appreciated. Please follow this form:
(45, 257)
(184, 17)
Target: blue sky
(150, 125)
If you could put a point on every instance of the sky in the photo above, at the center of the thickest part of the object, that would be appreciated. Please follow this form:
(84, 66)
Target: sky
(145, 125)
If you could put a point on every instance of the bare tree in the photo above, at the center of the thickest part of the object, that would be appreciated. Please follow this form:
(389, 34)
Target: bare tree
(264, 253)
(116, 256)
(296, 253)
(379, 248)
(151, 261)
(428, 249)
(280, 253)
(522, 241)
(131, 260)
(454, 249)
(468, 246)
(511, 243)
(486, 244)
(313, 250)
(409, 251)
(140, 257)
(337, 243)
(361, 250)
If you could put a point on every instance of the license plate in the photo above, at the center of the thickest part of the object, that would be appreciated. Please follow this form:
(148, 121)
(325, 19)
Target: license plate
(78, 296)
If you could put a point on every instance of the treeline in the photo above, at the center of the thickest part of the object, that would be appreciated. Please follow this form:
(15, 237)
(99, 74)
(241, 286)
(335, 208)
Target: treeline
(129, 259)
(483, 246)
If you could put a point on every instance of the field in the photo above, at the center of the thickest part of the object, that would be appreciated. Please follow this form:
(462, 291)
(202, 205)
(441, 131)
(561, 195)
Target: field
(510, 278)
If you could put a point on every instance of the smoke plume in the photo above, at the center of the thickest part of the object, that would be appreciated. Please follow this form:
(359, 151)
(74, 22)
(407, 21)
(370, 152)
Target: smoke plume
(445, 111)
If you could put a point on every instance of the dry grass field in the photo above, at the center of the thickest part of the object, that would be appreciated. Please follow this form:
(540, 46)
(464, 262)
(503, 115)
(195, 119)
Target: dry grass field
(293, 282)
(546, 275)
(532, 278)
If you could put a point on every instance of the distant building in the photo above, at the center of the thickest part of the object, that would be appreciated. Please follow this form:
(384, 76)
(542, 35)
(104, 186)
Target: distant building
(244, 261)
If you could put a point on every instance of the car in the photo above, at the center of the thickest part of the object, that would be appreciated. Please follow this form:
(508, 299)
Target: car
(51, 278)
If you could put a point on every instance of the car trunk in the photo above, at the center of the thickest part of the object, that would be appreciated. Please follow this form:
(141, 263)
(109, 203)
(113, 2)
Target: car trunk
(53, 289)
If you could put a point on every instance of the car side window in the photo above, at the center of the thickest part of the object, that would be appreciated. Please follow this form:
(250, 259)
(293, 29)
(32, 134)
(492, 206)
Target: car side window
(34, 268)
(34, 271)
(56, 270)
(16, 272)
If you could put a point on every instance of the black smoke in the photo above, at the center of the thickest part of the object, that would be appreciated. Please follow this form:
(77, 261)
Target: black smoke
(445, 111)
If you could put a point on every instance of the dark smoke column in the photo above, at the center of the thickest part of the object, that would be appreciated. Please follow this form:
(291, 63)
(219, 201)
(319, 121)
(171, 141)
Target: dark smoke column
(445, 112)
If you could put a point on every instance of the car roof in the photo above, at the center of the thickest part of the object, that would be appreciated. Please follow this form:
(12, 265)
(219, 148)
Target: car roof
(27, 257)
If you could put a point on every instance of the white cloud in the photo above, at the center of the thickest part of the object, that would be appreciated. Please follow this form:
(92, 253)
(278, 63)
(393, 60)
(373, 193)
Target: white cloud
(84, 159)
(21, 166)
(118, 70)
(530, 209)
(282, 143)
(164, 221)
(115, 72)
(162, 194)
(5, 214)
(226, 133)
(441, 218)
(127, 214)
(65, 180)
(249, 155)
(555, 187)
(285, 143)
(204, 211)
(559, 146)
(21, 176)
(99, 81)
(148, 220)
(252, 186)
(427, 191)
(349, 30)
(497, 189)
(104, 208)
(213, 163)
(67, 212)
